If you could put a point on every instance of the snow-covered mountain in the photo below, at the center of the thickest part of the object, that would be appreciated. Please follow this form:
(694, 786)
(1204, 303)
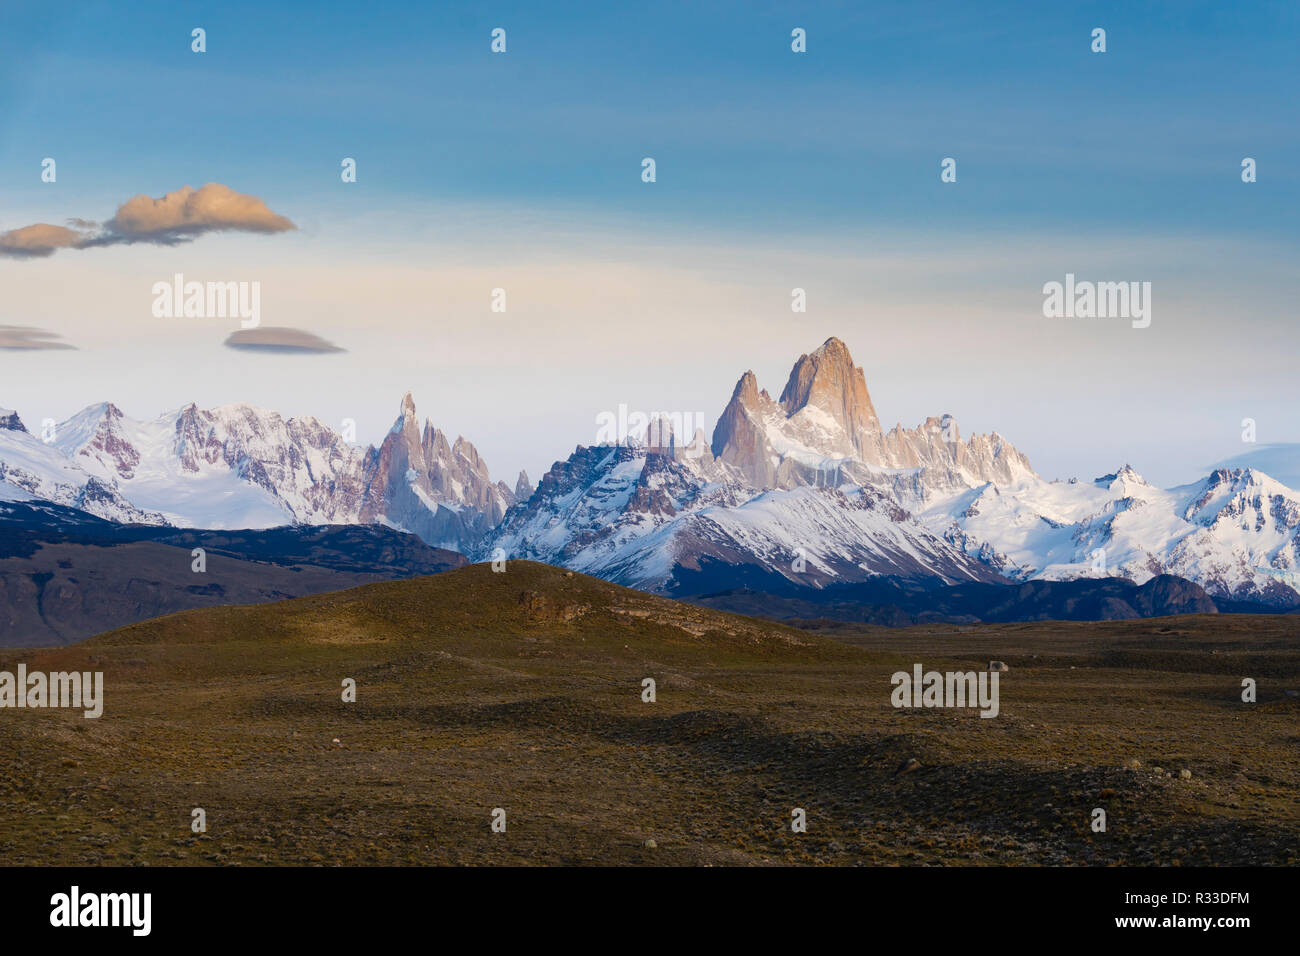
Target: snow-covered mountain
(809, 490)
(683, 522)
(32, 469)
(825, 428)
(802, 491)
(798, 492)
(241, 467)
(1236, 532)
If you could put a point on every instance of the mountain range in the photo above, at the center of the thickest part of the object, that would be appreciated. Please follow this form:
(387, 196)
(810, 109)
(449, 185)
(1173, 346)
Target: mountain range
(806, 492)
(241, 467)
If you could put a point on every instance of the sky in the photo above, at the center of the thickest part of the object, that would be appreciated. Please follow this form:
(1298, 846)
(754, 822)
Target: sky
(775, 170)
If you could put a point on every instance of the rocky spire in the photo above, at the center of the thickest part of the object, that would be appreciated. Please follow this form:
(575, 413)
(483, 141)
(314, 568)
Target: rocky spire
(828, 380)
(739, 438)
(825, 417)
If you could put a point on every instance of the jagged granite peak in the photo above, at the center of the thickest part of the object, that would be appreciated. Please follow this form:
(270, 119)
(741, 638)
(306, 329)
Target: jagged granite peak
(948, 461)
(746, 390)
(523, 487)
(434, 446)
(465, 450)
(397, 473)
(739, 438)
(442, 492)
(828, 381)
(825, 428)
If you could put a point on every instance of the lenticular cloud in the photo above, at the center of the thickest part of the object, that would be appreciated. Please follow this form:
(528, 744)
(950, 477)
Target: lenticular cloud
(179, 216)
(278, 339)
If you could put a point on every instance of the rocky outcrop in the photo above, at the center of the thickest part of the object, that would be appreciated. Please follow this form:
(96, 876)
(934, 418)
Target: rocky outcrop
(9, 421)
(828, 382)
(442, 492)
(740, 439)
(825, 429)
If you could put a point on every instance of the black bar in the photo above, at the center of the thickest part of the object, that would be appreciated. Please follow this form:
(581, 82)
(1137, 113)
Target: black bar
(336, 905)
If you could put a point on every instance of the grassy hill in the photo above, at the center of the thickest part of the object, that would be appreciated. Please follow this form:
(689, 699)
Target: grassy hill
(522, 690)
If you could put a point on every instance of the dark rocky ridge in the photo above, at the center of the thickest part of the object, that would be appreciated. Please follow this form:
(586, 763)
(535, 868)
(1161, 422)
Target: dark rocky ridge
(66, 576)
(896, 602)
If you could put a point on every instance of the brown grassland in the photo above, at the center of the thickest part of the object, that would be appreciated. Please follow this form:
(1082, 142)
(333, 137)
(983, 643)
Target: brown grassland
(522, 690)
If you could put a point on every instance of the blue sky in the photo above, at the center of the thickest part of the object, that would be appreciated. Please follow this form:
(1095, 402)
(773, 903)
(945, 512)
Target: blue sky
(1126, 161)
(1044, 130)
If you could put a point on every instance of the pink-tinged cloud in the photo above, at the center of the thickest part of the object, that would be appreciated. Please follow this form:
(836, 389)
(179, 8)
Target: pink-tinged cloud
(39, 240)
(190, 212)
(179, 216)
